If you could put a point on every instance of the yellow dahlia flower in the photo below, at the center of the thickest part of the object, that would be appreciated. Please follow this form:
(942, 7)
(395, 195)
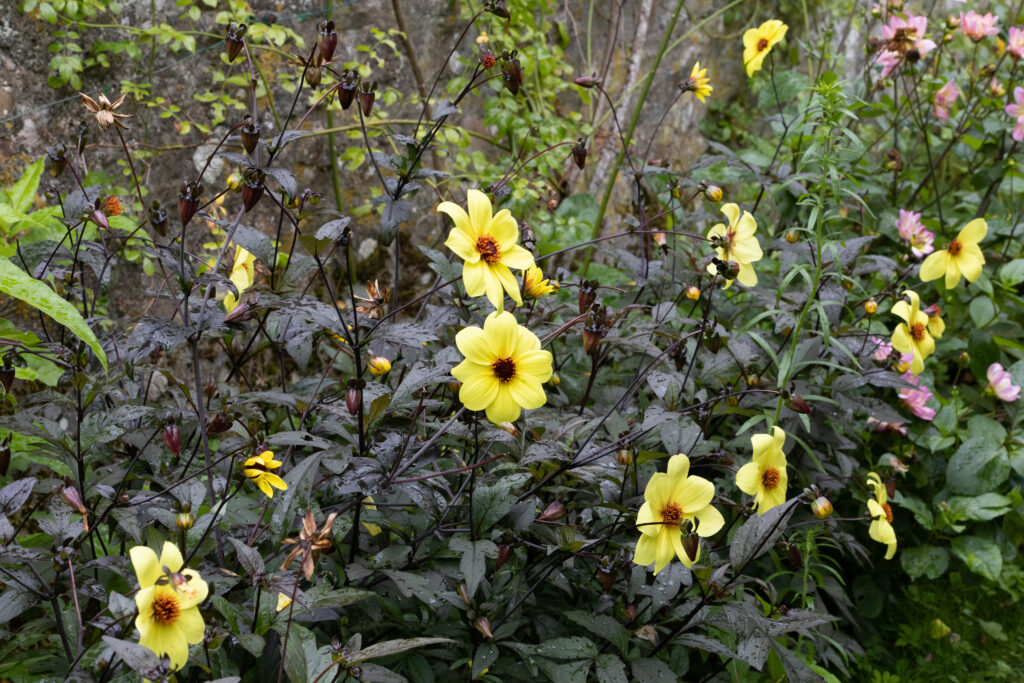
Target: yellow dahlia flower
(765, 476)
(243, 275)
(961, 256)
(504, 370)
(881, 516)
(758, 42)
(535, 284)
(698, 83)
(168, 599)
(736, 242)
(912, 335)
(673, 500)
(258, 469)
(283, 601)
(488, 246)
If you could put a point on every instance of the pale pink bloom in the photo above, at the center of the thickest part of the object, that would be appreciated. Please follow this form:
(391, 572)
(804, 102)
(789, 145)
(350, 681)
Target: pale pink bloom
(915, 399)
(944, 99)
(882, 349)
(904, 35)
(889, 61)
(913, 232)
(1017, 110)
(976, 26)
(1001, 383)
(877, 425)
(1015, 46)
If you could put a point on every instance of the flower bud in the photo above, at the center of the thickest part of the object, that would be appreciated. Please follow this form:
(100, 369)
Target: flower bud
(594, 329)
(711, 192)
(171, 435)
(367, 94)
(56, 158)
(188, 200)
(555, 379)
(693, 292)
(464, 594)
(483, 624)
(379, 365)
(511, 71)
(797, 404)
(314, 70)
(234, 39)
(158, 218)
(579, 153)
(354, 397)
(509, 427)
(497, 8)
(184, 520)
(587, 81)
(870, 306)
(607, 578)
(250, 134)
(553, 512)
(348, 82)
(630, 611)
(624, 456)
(219, 424)
(487, 59)
(821, 507)
(241, 312)
(252, 187)
(235, 181)
(327, 39)
(504, 555)
(792, 236)
(587, 294)
(691, 546)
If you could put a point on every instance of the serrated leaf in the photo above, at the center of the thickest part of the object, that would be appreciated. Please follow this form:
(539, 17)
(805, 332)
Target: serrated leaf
(17, 283)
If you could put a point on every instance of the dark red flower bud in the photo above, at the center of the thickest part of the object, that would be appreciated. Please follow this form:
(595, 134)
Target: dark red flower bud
(100, 219)
(158, 218)
(607, 578)
(171, 435)
(504, 554)
(890, 487)
(579, 153)
(797, 403)
(234, 39)
(587, 295)
(497, 8)
(691, 546)
(348, 83)
(483, 624)
(241, 312)
(587, 81)
(327, 39)
(188, 200)
(56, 157)
(252, 187)
(553, 512)
(73, 498)
(250, 134)
(630, 611)
(354, 397)
(314, 71)
(511, 71)
(594, 329)
(367, 93)
(219, 424)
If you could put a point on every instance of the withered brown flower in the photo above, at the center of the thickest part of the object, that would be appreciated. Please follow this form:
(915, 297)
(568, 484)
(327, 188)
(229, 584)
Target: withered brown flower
(104, 110)
(310, 543)
(376, 299)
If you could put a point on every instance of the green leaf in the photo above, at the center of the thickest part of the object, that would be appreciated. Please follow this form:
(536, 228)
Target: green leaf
(299, 479)
(759, 533)
(390, 647)
(19, 284)
(23, 192)
(473, 564)
(981, 555)
(925, 560)
(979, 508)
(978, 466)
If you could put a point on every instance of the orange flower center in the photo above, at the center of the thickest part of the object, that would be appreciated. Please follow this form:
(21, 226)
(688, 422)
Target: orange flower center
(770, 478)
(504, 369)
(888, 512)
(166, 609)
(762, 45)
(671, 514)
(488, 248)
(954, 248)
(917, 331)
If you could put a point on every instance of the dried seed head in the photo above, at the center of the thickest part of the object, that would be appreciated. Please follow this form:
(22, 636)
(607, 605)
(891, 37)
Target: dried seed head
(188, 200)
(348, 83)
(250, 134)
(327, 39)
(511, 71)
(234, 39)
(158, 218)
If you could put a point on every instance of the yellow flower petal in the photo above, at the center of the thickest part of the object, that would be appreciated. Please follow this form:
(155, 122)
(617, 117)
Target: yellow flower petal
(474, 277)
(933, 267)
(748, 477)
(528, 393)
(460, 218)
(509, 283)
(190, 622)
(479, 209)
(171, 558)
(479, 391)
(503, 408)
(472, 343)
(146, 564)
(504, 228)
(973, 232)
(283, 601)
(710, 521)
(460, 243)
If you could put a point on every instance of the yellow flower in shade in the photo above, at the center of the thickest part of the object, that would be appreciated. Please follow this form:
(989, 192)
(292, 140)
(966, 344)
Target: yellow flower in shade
(736, 242)
(243, 274)
(535, 284)
(168, 599)
(379, 365)
(962, 256)
(765, 476)
(488, 246)
(912, 335)
(881, 516)
(258, 469)
(283, 601)
(504, 370)
(673, 500)
(372, 528)
(698, 82)
(758, 42)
